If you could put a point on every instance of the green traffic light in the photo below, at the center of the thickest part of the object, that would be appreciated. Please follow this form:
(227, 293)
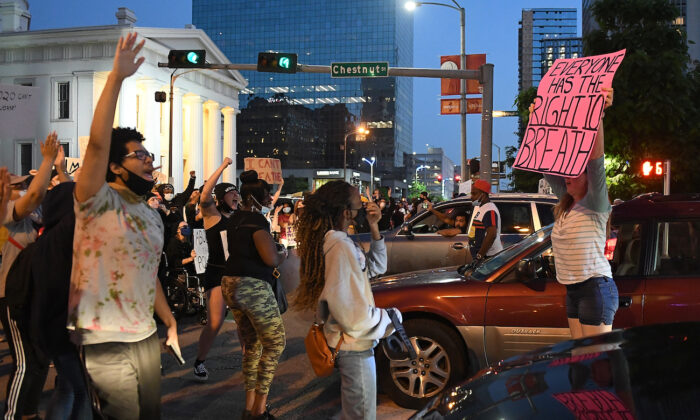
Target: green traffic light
(284, 62)
(192, 57)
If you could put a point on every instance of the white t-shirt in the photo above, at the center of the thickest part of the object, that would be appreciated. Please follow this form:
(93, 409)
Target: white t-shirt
(116, 251)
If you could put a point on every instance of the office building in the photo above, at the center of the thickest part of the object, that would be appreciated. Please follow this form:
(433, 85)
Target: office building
(322, 32)
(67, 69)
(540, 31)
(433, 169)
(688, 19)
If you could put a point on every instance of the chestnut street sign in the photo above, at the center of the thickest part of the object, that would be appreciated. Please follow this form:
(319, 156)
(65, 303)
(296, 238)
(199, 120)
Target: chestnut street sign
(376, 69)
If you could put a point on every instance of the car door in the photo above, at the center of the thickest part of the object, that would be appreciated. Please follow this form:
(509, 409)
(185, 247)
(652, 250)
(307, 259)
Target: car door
(522, 316)
(627, 266)
(418, 246)
(673, 284)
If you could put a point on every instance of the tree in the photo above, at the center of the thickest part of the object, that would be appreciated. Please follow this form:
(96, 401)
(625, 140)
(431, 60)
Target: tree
(415, 189)
(656, 110)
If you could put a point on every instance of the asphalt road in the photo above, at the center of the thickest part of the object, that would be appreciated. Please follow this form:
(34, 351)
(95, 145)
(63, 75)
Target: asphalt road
(296, 392)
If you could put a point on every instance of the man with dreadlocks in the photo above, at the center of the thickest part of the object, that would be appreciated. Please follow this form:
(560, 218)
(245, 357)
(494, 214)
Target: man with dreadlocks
(335, 274)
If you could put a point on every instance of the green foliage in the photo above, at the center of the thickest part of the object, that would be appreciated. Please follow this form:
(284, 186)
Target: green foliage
(293, 184)
(656, 111)
(522, 181)
(415, 189)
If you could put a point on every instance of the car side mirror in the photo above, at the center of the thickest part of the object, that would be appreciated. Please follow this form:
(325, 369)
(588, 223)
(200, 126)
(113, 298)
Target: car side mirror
(525, 271)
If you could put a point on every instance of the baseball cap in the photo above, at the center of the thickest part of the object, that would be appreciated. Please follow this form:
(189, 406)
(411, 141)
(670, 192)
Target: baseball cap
(482, 185)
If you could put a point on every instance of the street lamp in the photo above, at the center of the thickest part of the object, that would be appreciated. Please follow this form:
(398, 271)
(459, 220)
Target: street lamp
(371, 171)
(411, 5)
(363, 131)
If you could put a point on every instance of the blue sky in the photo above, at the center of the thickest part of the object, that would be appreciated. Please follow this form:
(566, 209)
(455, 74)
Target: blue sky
(492, 28)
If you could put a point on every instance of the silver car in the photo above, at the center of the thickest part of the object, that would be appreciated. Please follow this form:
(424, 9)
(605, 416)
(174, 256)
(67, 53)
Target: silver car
(417, 246)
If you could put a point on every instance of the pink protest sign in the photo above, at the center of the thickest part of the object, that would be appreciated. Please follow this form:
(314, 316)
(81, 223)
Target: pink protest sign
(568, 110)
(268, 169)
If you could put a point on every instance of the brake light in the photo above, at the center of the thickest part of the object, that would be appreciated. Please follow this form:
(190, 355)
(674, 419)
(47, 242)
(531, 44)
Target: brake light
(610, 248)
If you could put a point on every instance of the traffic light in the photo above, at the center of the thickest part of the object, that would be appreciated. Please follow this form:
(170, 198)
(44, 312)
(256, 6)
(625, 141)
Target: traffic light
(195, 59)
(439, 178)
(277, 62)
(458, 178)
(650, 168)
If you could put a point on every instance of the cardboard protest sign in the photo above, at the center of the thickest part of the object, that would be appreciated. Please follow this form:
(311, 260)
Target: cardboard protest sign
(19, 111)
(568, 110)
(72, 164)
(201, 249)
(268, 169)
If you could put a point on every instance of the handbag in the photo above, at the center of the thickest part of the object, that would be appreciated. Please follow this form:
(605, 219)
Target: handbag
(320, 355)
(280, 295)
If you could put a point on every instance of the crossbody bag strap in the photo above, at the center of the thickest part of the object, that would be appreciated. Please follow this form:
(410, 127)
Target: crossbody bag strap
(11, 240)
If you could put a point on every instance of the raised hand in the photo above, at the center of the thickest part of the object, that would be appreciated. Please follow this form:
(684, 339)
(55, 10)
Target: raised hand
(125, 62)
(228, 161)
(609, 92)
(373, 213)
(49, 148)
(60, 161)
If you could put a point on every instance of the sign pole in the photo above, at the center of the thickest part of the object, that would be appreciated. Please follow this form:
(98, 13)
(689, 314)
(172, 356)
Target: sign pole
(667, 177)
(486, 122)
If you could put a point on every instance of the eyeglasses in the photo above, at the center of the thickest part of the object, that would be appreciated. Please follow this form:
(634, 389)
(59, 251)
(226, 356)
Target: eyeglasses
(140, 155)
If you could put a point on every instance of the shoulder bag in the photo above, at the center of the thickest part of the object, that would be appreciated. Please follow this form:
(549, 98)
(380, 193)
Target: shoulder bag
(320, 355)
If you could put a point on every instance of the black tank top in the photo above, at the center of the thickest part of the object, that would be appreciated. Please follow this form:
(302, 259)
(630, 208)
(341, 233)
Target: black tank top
(217, 258)
(244, 259)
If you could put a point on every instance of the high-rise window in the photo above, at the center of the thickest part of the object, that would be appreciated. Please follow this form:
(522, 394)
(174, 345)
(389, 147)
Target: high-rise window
(63, 96)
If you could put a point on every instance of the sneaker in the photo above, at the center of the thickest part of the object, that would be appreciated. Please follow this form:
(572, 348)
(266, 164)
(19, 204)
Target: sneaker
(200, 372)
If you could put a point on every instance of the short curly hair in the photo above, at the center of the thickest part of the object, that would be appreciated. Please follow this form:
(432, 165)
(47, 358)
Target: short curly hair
(117, 148)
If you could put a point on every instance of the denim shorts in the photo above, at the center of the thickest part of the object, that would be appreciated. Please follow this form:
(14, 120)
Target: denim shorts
(592, 302)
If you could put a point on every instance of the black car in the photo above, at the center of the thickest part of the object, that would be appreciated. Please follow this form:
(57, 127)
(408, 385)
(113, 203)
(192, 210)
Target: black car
(648, 372)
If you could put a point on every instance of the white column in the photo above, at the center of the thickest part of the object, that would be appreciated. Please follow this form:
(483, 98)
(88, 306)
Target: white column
(85, 108)
(213, 147)
(177, 139)
(195, 161)
(230, 143)
(151, 118)
(127, 104)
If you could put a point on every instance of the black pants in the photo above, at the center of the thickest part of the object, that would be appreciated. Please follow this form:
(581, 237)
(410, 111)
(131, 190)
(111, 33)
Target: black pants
(28, 372)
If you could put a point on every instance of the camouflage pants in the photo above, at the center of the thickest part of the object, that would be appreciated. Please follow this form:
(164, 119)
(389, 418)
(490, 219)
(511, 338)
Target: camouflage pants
(260, 326)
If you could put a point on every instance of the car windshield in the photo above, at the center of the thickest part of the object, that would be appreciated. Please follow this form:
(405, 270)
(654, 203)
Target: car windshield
(497, 261)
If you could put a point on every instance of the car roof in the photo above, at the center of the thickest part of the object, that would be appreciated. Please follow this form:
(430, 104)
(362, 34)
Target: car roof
(496, 197)
(657, 205)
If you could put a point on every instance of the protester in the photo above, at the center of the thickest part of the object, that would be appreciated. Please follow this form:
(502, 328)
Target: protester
(116, 249)
(215, 221)
(399, 215)
(21, 212)
(180, 252)
(335, 276)
(578, 242)
(487, 222)
(192, 214)
(457, 223)
(247, 288)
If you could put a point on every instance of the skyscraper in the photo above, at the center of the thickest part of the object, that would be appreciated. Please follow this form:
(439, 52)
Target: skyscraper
(320, 32)
(544, 35)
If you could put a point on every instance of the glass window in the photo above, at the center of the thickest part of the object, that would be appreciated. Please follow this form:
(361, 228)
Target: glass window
(63, 100)
(25, 158)
(546, 213)
(677, 248)
(627, 242)
(515, 218)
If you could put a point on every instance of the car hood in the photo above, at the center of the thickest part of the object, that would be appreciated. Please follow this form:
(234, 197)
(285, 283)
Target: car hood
(641, 372)
(414, 278)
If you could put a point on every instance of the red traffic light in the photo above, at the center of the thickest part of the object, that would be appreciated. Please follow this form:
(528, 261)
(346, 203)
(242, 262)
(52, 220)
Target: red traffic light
(439, 177)
(458, 178)
(650, 168)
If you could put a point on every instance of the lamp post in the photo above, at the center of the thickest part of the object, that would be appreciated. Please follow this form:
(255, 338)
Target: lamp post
(361, 130)
(411, 5)
(371, 171)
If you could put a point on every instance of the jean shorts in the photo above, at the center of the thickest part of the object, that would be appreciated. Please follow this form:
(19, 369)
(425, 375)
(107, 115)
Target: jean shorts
(592, 302)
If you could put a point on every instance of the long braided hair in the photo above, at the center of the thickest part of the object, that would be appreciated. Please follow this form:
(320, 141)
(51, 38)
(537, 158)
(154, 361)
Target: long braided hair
(322, 212)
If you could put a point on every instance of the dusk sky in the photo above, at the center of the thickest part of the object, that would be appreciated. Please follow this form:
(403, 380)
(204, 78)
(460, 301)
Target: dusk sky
(492, 28)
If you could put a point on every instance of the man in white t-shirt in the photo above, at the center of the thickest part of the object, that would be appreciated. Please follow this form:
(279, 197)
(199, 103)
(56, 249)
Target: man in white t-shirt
(116, 251)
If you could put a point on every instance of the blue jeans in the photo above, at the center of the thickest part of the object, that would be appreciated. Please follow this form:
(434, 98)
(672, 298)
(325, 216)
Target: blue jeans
(70, 399)
(358, 384)
(592, 302)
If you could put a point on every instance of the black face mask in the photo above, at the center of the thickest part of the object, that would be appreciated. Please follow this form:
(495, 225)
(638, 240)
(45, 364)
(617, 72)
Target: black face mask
(136, 184)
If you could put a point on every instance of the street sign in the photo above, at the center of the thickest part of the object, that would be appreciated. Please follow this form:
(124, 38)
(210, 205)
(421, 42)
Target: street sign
(375, 69)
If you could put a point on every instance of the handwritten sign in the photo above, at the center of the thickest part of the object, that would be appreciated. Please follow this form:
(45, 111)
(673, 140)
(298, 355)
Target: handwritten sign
(73, 164)
(201, 249)
(268, 169)
(19, 111)
(568, 110)
(598, 404)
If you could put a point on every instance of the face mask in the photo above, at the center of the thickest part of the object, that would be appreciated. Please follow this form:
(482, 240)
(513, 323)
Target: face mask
(168, 196)
(264, 210)
(477, 202)
(286, 209)
(185, 231)
(136, 184)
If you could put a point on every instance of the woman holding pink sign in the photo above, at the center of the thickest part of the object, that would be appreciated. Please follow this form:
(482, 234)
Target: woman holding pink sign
(578, 242)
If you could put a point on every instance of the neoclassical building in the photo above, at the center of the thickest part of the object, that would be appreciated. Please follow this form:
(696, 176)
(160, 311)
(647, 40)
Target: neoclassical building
(70, 66)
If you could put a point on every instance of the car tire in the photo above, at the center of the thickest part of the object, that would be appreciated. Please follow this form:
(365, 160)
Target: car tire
(444, 363)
